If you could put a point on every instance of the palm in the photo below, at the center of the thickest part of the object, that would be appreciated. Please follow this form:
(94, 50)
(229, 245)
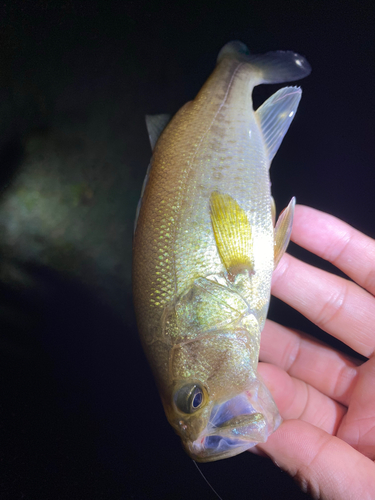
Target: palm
(320, 392)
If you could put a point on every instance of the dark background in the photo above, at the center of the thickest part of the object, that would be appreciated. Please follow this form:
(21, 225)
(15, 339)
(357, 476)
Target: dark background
(80, 417)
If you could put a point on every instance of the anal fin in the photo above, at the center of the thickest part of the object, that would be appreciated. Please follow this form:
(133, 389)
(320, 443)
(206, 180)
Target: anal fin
(275, 116)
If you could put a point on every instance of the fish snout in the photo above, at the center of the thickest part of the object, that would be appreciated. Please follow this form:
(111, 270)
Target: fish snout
(234, 426)
(190, 428)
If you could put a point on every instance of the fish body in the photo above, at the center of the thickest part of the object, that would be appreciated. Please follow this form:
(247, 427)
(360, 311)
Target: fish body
(205, 248)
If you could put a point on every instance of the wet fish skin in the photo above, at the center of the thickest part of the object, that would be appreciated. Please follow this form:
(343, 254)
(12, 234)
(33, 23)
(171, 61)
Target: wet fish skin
(205, 249)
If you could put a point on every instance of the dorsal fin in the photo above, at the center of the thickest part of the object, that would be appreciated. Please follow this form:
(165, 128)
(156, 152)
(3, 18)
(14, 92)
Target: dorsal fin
(155, 126)
(275, 116)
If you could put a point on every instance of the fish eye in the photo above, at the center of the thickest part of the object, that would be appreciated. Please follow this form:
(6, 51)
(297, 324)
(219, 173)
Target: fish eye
(190, 398)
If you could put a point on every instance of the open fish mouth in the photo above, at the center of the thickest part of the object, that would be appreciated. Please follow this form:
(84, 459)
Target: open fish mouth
(234, 426)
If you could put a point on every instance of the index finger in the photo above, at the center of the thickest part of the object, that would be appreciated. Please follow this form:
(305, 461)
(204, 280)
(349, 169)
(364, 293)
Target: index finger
(337, 242)
(337, 305)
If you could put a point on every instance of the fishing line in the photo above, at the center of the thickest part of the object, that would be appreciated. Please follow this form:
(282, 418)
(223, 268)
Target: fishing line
(204, 477)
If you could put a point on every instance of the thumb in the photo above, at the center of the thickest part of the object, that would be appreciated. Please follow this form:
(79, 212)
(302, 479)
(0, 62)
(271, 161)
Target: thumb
(323, 465)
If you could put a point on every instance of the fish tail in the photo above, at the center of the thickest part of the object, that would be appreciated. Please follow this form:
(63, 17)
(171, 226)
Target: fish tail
(273, 67)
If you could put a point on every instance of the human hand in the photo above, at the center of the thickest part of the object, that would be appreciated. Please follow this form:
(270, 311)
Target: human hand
(327, 399)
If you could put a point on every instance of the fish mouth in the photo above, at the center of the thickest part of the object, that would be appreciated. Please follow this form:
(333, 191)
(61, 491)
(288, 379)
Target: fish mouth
(234, 426)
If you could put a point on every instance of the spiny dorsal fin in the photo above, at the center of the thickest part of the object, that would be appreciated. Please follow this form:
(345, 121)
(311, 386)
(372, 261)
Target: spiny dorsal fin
(232, 232)
(155, 126)
(275, 116)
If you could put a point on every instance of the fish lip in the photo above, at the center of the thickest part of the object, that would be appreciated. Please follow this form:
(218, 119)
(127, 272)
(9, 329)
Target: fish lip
(234, 426)
(201, 453)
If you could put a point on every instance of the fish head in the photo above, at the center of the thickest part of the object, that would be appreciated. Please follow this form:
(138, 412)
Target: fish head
(217, 404)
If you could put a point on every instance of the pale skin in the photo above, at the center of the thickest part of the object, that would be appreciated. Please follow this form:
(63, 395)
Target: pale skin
(327, 399)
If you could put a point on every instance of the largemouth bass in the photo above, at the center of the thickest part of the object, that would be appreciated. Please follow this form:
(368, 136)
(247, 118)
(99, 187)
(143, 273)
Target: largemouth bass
(205, 247)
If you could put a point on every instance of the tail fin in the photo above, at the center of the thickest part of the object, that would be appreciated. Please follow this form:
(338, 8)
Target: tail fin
(273, 67)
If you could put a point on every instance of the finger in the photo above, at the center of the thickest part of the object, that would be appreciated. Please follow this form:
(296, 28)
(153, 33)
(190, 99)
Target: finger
(296, 399)
(335, 241)
(338, 306)
(323, 465)
(330, 372)
(358, 425)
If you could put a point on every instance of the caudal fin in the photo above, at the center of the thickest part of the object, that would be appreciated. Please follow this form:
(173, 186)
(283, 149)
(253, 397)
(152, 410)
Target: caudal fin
(273, 67)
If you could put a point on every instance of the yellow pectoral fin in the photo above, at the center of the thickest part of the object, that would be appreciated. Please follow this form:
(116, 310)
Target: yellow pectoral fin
(232, 232)
(283, 231)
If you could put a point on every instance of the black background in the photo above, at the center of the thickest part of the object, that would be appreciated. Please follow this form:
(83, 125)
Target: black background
(80, 417)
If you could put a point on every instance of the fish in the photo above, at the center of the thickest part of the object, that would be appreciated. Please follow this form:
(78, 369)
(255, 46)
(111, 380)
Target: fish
(205, 247)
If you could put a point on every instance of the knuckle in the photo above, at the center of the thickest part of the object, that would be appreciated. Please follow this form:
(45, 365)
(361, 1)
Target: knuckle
(369, 282)
(333, 307)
